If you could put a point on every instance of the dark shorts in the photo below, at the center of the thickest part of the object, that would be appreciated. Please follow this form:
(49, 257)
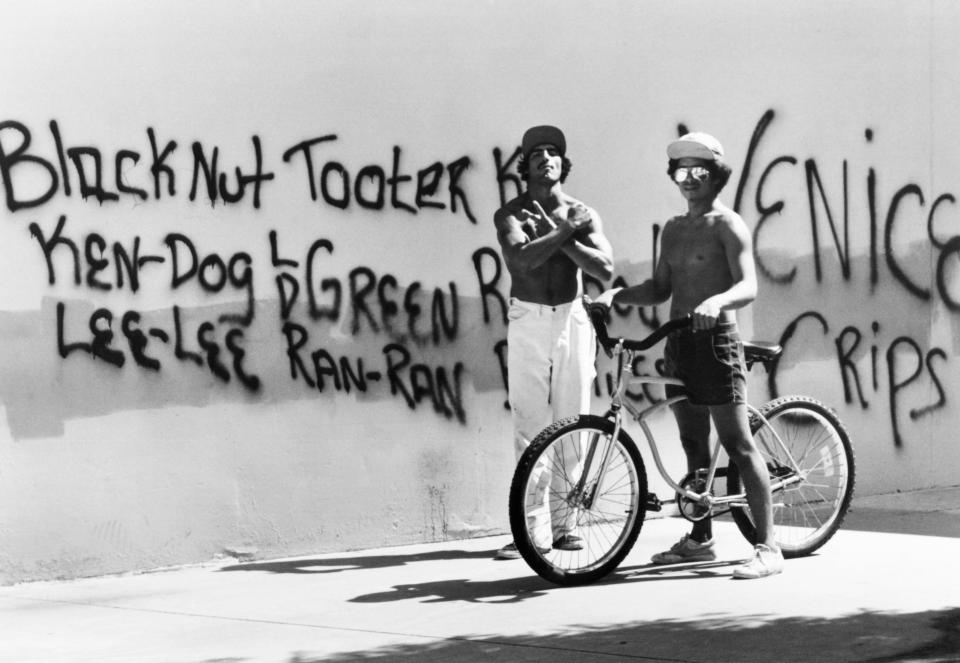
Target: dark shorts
(709, 362)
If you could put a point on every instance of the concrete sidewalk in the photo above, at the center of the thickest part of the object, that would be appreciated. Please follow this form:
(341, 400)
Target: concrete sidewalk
(886, 588)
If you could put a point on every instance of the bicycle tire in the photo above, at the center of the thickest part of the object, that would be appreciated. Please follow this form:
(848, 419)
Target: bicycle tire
(805, 515)
(608, 529)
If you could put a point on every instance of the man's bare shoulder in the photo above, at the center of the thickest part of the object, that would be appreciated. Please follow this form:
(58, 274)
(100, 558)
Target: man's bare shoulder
(730, 221)
(673, 224)
(511, 208)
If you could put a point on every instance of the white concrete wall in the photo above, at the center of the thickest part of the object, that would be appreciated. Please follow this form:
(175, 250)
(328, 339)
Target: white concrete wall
(107, 468)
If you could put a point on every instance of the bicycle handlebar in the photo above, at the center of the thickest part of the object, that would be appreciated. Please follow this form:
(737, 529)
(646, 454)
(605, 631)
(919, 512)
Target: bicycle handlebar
(598, 316)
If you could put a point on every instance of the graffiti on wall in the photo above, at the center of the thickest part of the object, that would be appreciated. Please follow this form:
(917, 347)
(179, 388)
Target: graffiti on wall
(905, 361)
(422, 328)
(362, 302)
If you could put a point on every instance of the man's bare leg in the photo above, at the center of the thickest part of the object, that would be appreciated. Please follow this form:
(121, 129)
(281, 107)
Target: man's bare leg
(733, 428)
(693, 422)
(734, 431)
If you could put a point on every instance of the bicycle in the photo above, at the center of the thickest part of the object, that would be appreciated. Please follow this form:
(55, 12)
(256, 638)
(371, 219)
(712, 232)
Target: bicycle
(586, 472)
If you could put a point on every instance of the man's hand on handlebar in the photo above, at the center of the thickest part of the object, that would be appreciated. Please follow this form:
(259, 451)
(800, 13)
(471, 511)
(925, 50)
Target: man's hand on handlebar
(602, 303)
(706, 315)
(604, 299)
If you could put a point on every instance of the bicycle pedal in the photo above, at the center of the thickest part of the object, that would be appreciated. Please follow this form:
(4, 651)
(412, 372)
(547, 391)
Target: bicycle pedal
(653, 502)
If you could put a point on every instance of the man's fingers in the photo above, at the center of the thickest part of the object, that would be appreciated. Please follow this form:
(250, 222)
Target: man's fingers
(703, 321)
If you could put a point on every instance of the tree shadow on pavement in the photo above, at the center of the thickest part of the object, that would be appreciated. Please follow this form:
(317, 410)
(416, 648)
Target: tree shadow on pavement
(864, 637)
(355, 562)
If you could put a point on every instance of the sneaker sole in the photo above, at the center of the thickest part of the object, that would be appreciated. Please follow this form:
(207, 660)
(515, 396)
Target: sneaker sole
(752, 576)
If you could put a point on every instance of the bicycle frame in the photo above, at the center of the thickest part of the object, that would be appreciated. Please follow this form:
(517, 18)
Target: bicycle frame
(584, 476)
(618, 404)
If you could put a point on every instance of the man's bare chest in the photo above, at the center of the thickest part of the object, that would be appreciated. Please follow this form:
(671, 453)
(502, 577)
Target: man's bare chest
(694, 250)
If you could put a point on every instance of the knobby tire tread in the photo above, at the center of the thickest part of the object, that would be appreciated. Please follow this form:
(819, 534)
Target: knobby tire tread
(742, 518)
(525, 466)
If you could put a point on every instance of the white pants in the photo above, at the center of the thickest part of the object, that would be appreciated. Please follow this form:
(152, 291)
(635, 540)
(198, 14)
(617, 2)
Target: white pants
(550, 371)
(550, 365)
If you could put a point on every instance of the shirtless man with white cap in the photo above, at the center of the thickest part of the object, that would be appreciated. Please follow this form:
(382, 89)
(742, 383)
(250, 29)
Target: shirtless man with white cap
(706, 269)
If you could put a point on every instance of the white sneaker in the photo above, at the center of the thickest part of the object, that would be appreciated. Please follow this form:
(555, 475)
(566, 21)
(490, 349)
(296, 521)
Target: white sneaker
(766, 561)
(686, 550)
(509, 551)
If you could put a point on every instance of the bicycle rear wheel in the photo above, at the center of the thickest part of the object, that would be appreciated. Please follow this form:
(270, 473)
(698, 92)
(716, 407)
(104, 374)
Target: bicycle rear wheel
(546, 499)
(808, 510)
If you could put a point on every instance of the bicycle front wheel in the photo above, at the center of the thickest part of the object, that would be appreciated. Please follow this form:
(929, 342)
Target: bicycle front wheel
(811, 463)
(559, 491)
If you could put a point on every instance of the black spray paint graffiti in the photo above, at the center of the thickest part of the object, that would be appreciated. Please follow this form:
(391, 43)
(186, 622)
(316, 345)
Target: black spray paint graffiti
(372, 304)
(370, 183)
(337, 186)
(372, 300)
(818, 200)
(212, 273)
(208, 351)
(90, 170)
(849, 340)
(847, 343)
(369, 303)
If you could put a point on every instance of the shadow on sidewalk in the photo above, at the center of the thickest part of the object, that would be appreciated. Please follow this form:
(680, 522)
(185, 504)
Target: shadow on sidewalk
(355, 562)
(510, 590)
(865, 637)
(514, 590)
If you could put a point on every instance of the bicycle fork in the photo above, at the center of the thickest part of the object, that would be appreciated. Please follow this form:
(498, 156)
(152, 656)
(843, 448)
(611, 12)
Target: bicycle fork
(583, 494)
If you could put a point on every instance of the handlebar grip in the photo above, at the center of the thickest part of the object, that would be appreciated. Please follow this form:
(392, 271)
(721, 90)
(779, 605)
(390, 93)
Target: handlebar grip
(598, 316)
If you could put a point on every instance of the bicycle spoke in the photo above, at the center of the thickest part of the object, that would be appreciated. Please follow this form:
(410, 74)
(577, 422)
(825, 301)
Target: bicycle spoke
(815, 449)
(561, 496)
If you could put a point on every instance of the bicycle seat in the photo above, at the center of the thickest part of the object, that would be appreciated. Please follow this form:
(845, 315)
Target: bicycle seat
(763, 352)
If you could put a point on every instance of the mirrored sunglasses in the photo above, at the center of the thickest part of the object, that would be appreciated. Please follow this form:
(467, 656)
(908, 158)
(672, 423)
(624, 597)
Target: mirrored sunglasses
(698, 173)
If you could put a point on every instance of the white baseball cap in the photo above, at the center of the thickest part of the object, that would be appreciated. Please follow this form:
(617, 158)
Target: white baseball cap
(697, 145)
